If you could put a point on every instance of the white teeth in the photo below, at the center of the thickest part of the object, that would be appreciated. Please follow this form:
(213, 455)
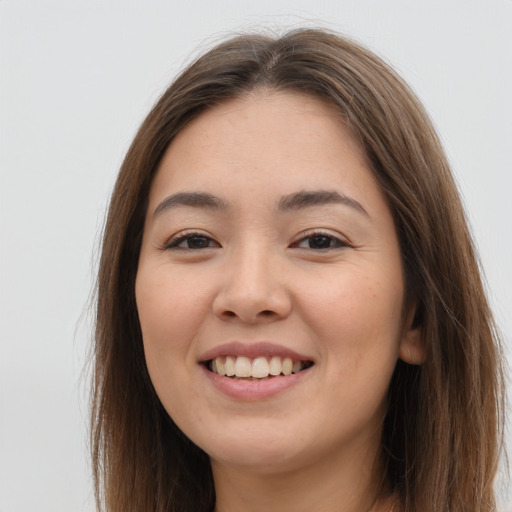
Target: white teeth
(258, 368)
(287, 366)
(230, 366)
(221, 366)
(275, 366)
(243, 367)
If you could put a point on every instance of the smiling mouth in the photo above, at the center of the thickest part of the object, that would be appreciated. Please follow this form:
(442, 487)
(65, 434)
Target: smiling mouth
(257, 368)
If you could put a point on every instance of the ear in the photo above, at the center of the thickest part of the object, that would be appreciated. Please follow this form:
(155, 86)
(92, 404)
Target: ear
(413, 348)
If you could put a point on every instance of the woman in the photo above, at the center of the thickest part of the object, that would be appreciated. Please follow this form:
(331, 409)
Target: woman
(290, 313)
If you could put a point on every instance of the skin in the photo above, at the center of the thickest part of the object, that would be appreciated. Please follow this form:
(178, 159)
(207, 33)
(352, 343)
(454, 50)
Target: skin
(257, 273)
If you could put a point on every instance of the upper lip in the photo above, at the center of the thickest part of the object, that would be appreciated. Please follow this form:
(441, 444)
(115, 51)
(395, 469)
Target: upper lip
(252, 350)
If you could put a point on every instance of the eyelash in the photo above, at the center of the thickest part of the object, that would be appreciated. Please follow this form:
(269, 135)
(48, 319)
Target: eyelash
(338, 242)
(320, 236)
(177, 240)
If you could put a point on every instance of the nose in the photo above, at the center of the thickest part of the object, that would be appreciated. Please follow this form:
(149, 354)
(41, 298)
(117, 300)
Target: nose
(252, 289)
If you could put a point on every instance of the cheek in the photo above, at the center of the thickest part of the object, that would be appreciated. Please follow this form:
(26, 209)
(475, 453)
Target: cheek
(169, 312)
(167, 305)
(169, 319)
(356, 318)
(357, 326)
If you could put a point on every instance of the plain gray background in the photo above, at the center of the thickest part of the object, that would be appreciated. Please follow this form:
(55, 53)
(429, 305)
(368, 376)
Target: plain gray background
(77, 78)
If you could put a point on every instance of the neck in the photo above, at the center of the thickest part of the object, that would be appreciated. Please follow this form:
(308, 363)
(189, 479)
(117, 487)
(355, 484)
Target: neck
(352, 485)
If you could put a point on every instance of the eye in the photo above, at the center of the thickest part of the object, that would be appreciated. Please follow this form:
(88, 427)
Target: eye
(319, 241)
(191, 241)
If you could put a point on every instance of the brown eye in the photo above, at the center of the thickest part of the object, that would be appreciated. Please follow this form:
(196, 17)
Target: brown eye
(197, 242)
(320, 241)
(192, 242)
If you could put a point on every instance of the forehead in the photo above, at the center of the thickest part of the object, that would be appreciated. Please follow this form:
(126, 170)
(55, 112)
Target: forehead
(266, 142)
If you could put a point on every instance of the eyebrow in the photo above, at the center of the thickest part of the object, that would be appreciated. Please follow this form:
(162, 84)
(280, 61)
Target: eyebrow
(306, 199)
(291, 202)
(193, 199)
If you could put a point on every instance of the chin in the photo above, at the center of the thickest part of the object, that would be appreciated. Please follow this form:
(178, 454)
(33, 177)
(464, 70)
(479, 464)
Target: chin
(266, 461)
(269, 455)
(255, 449)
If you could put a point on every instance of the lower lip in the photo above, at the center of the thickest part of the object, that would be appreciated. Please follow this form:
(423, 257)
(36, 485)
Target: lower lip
(254, 389)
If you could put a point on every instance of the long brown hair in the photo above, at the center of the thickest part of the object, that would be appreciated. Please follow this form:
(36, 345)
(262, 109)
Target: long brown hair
(441, 436)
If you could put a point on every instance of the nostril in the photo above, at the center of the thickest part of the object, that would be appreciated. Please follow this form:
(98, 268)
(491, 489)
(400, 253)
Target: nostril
(252, 304)
(265, 313)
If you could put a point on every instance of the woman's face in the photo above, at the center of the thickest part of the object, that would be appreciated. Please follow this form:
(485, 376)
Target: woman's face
(269, 248)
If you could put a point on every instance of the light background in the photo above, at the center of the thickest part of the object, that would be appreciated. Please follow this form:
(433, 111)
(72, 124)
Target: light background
(77, 78)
